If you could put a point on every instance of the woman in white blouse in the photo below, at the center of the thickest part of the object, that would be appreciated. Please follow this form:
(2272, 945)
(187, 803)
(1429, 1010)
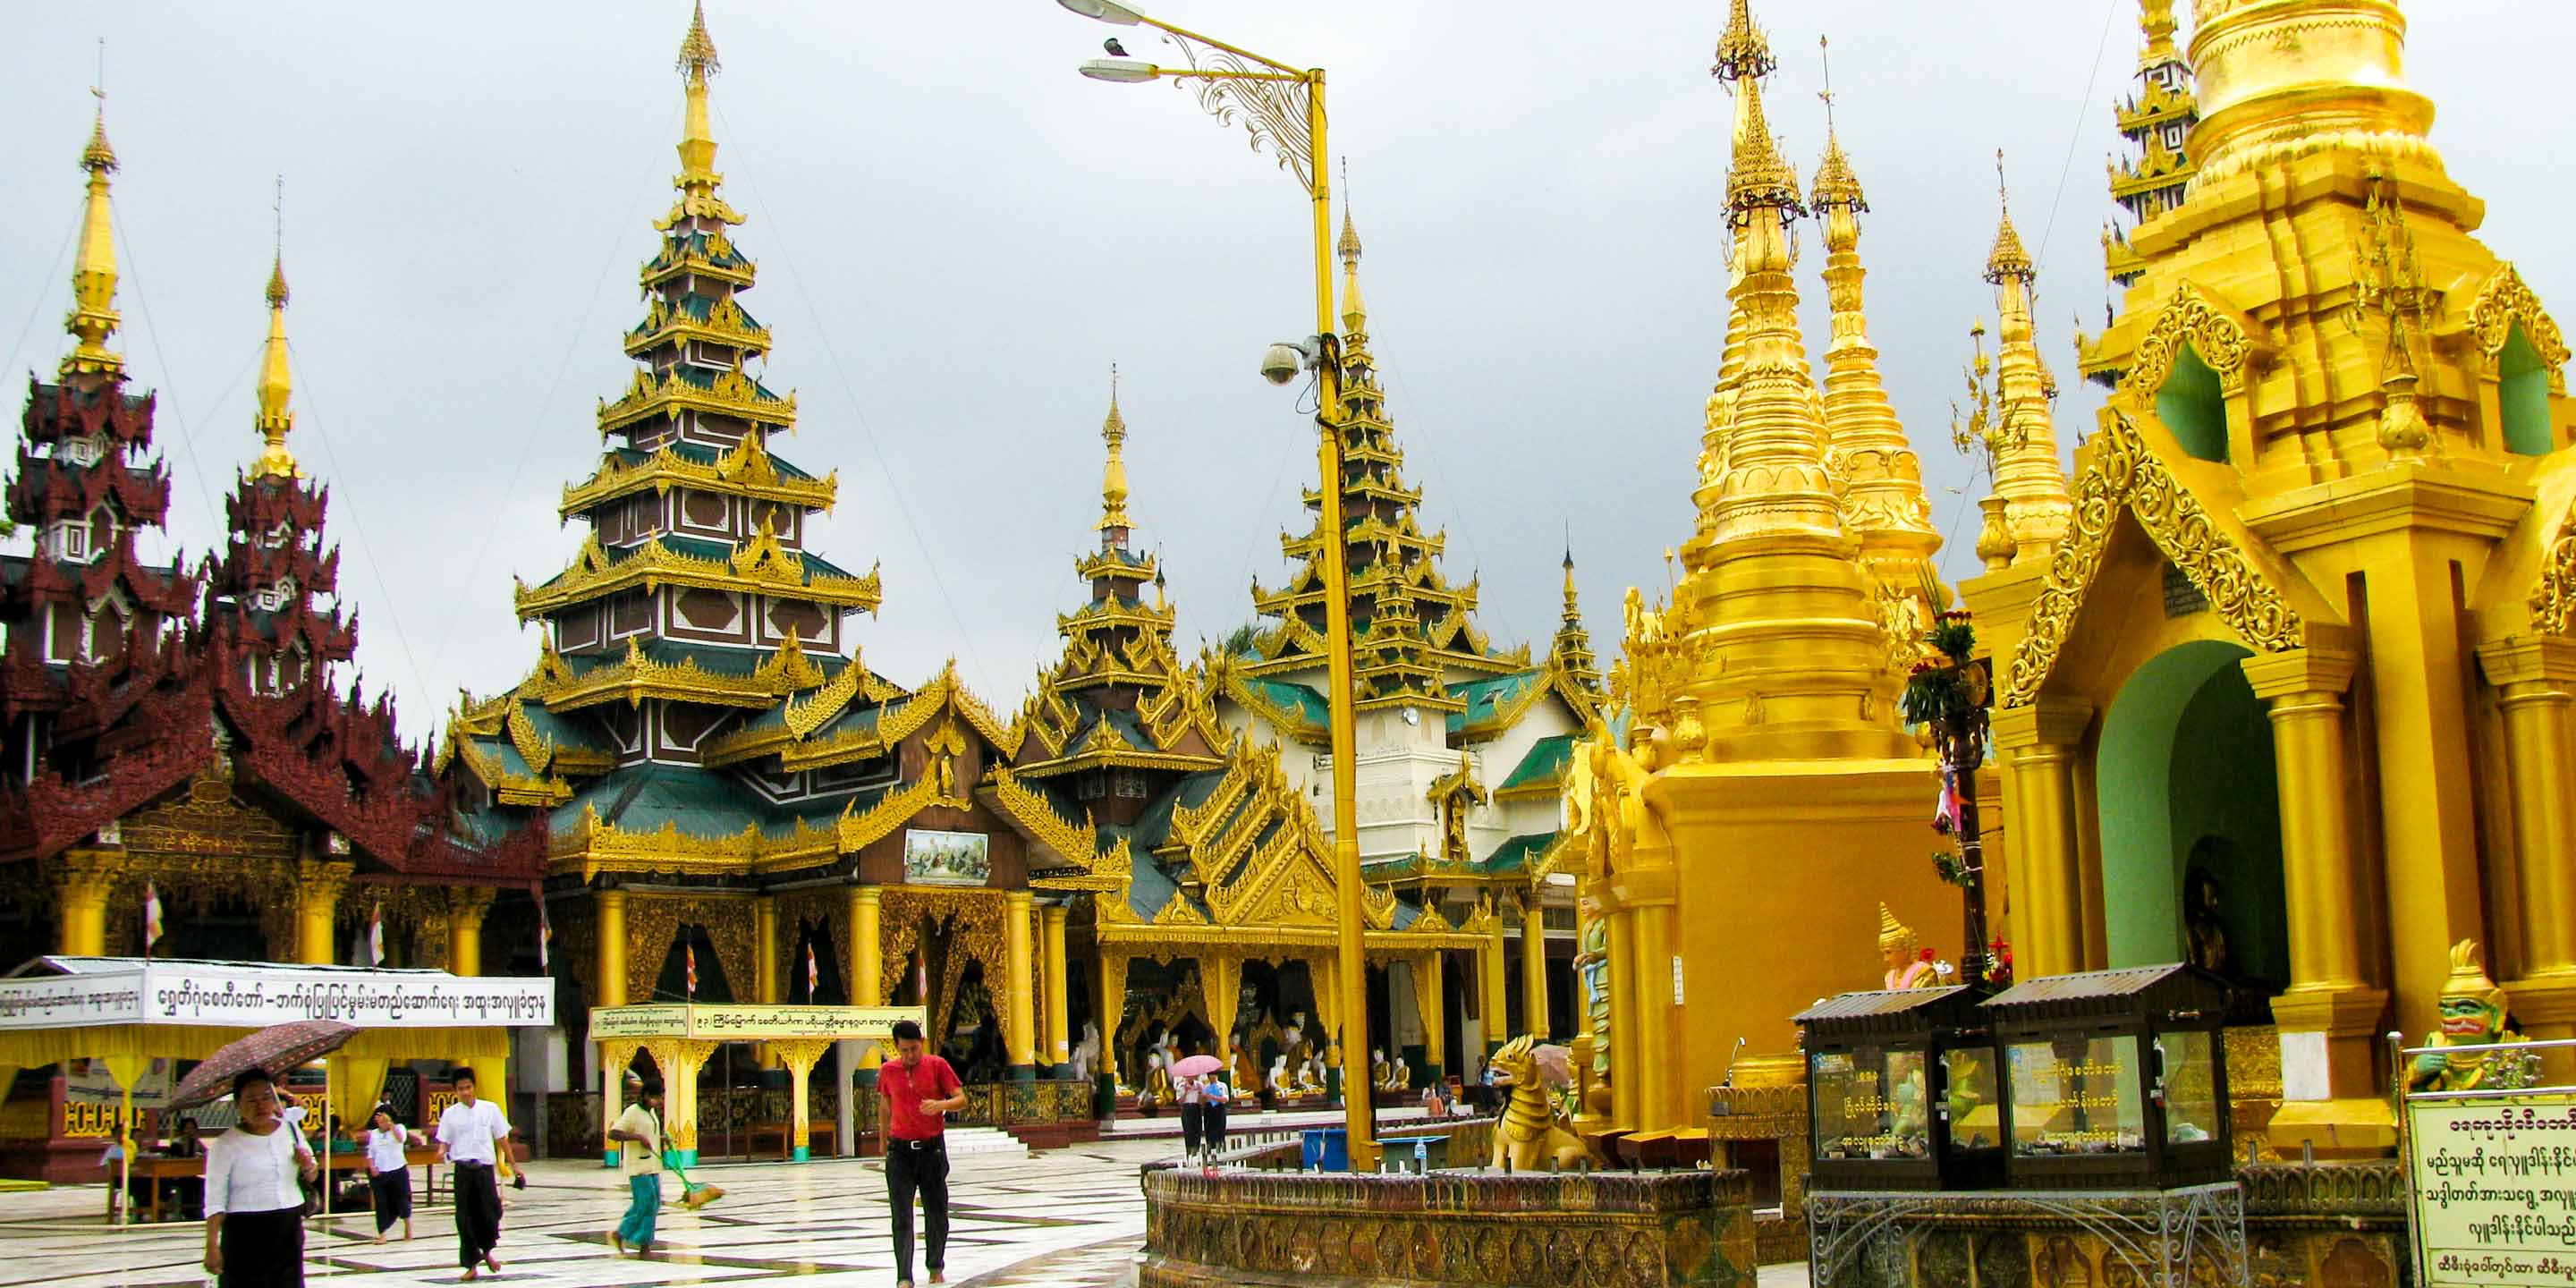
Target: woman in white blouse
(254, 1207)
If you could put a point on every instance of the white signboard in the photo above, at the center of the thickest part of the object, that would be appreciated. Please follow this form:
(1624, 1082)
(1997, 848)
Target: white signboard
(751, 1023)
(255, 995)
(2494, 1181)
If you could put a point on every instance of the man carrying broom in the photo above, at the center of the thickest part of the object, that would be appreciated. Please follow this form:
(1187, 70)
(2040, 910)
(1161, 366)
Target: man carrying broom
(639, 1156)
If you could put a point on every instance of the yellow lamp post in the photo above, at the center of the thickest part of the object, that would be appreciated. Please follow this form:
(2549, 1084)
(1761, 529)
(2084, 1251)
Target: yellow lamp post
(1283, 108)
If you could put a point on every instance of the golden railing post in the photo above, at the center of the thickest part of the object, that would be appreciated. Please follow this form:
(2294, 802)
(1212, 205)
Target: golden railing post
(1534, 1016)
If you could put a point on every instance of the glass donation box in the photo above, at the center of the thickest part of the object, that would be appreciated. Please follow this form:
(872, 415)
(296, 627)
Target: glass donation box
(1901, 1092)
(2115, 1079)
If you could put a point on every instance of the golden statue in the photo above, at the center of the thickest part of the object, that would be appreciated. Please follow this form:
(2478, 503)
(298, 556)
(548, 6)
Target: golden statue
(2472, 1010)
(1532, 1133)
(1906, 964)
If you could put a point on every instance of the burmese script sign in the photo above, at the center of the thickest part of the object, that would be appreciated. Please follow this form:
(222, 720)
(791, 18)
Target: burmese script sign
(2494, 1182)
(750, 1023)
(255, 995)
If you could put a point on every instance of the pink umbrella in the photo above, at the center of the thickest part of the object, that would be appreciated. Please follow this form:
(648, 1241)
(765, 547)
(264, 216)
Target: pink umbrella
(1193, 1066)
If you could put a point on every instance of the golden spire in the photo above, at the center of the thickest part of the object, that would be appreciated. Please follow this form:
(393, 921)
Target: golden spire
(698, 180)
(1743, 49)
(1573, 614)
(276, 381)
(2027, 473)
(1354, 309)
(93, 317)
(1883, 501)
(2156, 22)
(1113, 476)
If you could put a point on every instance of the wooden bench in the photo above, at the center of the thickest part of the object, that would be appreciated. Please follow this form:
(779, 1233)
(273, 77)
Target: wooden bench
(156, 1168)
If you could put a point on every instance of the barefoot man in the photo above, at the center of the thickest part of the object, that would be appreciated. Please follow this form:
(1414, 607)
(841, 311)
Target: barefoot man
(471, 1135)
(638, 1134)
(918, 1088)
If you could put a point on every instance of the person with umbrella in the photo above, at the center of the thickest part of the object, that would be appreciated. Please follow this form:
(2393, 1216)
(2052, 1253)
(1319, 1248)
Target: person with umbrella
(472, 1135)
(1189, 1074)
(254, 1207)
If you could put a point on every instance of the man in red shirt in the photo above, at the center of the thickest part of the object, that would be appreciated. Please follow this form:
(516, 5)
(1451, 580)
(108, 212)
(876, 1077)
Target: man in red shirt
(918, 1089)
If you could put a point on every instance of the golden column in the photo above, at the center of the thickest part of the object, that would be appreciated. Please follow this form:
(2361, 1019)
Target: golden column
(1534, 1017)
(799, 1054)
(318, 886)
(680, 1094)
(1429, 1002)
(81, 893)
(1021, 1022)
(2535, 675)
(764, 943)
(1051, 924)
(2319, 867)
(1659, 999)
(1221, 979)
(1490, 963)
(2038, 744)
(1111, 1011)
(609, 988)
(466, 908)
(867, 972)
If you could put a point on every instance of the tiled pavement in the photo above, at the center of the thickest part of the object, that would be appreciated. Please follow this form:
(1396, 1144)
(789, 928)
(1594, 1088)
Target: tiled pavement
(1066, 1218)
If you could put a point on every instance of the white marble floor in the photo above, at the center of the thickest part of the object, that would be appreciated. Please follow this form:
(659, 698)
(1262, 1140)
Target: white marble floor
(1068, 1218)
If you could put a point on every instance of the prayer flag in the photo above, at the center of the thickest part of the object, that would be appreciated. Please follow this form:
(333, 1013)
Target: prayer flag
(545, 935)
(813, 975)
(376, 937)
(692, 951)
(151, 917)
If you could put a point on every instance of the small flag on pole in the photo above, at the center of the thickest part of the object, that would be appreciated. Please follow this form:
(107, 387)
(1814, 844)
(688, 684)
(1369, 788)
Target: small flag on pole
(376, 936)
(813, 975)
(545, 935)
(1945, 818)
(151, 917)
(692, 951)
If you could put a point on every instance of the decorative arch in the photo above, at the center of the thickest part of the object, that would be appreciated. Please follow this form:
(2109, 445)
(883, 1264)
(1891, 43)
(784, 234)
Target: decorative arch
(2126, 475)
(2232, 344)
(2553, 593)
(2503, 303)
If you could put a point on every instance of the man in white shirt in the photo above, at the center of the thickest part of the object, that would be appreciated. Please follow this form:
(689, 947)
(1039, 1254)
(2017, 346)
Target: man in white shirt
(471, 1135)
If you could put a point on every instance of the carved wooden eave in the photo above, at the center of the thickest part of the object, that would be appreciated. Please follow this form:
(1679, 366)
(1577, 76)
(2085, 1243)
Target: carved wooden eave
(2253, 593)
(2229, 341)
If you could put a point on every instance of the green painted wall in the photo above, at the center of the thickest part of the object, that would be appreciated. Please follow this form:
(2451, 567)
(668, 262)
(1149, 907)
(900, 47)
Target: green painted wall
(2523, 392)
(2192, 405)
(2186, 752)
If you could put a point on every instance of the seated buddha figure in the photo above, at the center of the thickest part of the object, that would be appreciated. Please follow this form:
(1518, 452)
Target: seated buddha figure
(1906, 967)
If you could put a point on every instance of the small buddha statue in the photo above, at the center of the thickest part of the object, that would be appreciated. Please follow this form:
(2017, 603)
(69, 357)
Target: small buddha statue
(1906, 964)
(1158, 1080)
(1378, 1067)
(1398, 1077)
(1278, 1078)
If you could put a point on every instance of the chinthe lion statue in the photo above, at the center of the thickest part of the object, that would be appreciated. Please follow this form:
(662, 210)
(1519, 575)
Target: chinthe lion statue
(1531, 1136)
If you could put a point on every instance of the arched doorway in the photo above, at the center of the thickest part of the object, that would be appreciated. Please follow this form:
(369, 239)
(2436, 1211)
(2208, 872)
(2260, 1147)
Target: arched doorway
(2189, 802)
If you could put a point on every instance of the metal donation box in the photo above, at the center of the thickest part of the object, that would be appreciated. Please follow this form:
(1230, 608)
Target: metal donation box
(1901, 1092)
(2115, 1079)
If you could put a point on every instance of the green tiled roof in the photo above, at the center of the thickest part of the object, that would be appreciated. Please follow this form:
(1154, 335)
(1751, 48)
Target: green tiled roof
(1485, 697)
(1547, 759)
(1308, 704)
(1515, 854)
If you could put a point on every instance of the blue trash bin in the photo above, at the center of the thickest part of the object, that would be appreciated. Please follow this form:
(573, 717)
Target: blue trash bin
(1326, 1149)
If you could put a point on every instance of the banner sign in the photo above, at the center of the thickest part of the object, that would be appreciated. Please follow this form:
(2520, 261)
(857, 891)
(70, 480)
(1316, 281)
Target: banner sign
(2494, 1188)
(751, 1023)
(254, 995)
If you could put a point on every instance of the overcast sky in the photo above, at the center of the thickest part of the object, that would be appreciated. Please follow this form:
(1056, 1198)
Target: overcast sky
(957, 236)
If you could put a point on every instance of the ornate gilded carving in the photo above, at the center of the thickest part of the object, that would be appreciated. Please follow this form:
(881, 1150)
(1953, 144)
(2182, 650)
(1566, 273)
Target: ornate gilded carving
(2504, 302)
(2553, 594)
(2227, 341)
(2127, 476)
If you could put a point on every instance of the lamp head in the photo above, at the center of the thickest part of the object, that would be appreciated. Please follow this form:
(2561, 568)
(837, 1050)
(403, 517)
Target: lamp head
(1104, 10)
(1123, 71)
(1281, 362)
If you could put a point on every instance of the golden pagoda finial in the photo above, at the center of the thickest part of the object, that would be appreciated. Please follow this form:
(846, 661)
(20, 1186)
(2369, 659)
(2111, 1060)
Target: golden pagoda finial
(93, 317)
(2156, 23)
(697, 61)
(2270, 88)
(1354, 308)
(1113, 476)
(697, 49)
(1835, 184)
(2008, 258)
(1572, 612)
(1743, 49)
(1760, 179)
(276, 380)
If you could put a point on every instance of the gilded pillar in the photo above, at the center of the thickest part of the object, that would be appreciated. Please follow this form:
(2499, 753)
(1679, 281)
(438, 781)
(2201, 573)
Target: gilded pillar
(1625, 1021)
(608, 978)
(466, 908)
(1652, 961)
(2535, 676)
(81, 893)
(765, 976)
(2039, 743)
(799, 1055)
(680, 1085)
(1490, 971)
(1059, 1043)
(2320, 868)
(1221, 978)
(318, 886)
(1428, 1000)
(867, 970)
(1534, 1017)
(1018, 1031)
(1110, 1011)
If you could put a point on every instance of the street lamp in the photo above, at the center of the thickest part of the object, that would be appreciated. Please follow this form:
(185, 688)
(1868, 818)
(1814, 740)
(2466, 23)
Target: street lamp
(1283, 108)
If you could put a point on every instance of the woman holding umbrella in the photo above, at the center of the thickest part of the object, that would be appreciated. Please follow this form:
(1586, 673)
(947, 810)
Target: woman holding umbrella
(254, 1207)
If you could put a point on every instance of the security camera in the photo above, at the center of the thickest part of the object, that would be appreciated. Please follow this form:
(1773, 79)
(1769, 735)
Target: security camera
(1280, 363)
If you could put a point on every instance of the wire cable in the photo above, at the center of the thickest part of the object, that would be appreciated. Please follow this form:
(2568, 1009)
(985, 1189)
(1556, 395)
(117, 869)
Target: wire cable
(322, 429)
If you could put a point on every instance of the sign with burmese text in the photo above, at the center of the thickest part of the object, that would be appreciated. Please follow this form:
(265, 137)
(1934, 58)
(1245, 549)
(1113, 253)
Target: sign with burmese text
(254, 995)
(2494, 1181)
(750, 1023)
